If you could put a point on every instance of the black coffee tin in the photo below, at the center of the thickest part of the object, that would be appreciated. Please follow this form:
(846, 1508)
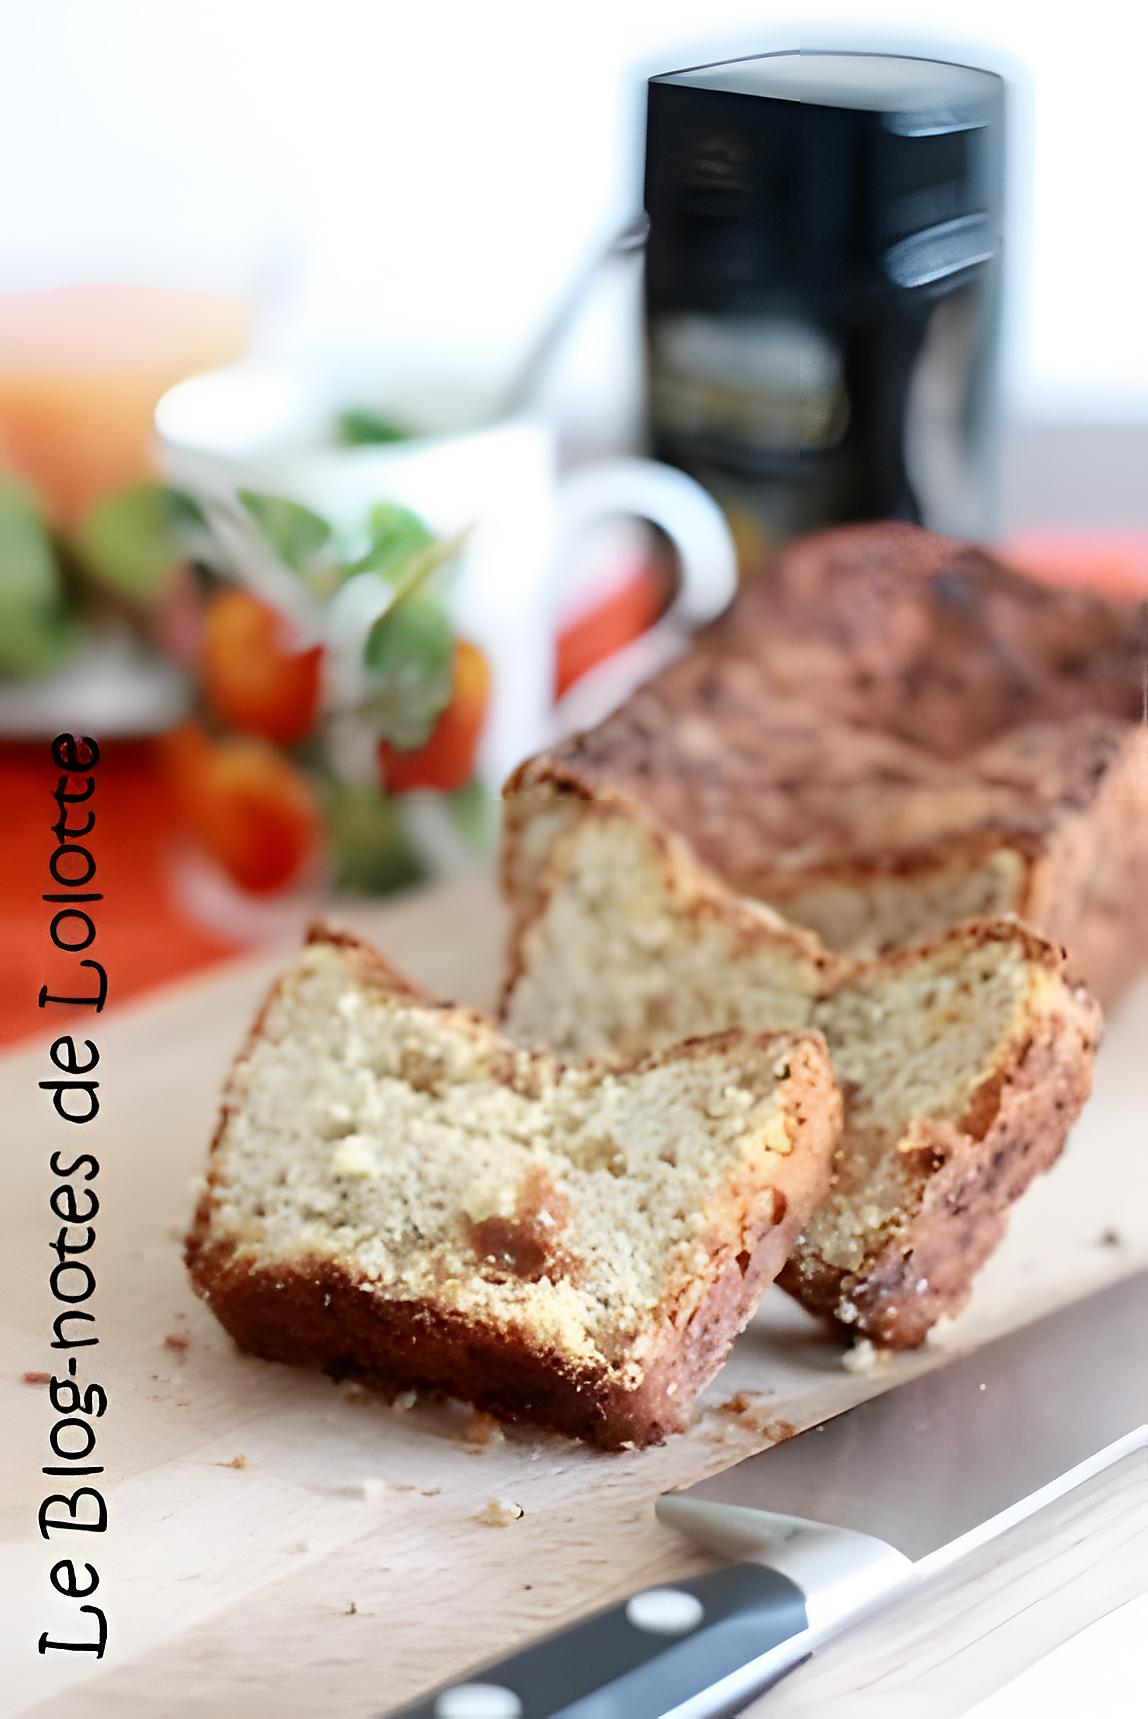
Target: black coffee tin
(822, 287)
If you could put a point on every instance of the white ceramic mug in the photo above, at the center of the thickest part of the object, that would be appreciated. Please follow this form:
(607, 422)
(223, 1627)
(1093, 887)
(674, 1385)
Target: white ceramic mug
(258, 427)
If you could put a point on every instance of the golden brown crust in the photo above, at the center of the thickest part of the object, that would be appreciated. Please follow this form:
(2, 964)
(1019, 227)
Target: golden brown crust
(888, 708)
(321, 1318)
(322, 1315)
(931, 640)
(970, 1175)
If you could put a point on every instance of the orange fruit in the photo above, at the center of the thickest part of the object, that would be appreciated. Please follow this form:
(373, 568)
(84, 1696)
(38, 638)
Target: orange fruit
(253, 678)
(250, 808)
(446, 760)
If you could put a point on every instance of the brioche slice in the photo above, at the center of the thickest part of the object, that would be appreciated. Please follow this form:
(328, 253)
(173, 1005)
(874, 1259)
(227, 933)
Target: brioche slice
(886, 734)
(397, 1191)
(963, 1062)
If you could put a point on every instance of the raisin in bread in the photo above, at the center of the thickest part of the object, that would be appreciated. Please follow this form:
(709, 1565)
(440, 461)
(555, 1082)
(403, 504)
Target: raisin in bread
(397, 1191)
(963, 1062)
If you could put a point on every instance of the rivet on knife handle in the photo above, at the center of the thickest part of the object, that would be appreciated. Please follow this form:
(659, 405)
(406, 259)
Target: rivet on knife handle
(639, 1660)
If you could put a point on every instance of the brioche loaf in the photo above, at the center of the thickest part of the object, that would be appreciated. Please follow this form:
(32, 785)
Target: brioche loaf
(888, 734)
(963, 1062)
(397, 1191)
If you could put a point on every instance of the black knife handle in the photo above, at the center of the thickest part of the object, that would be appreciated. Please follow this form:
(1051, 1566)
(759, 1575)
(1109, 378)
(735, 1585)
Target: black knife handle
(643, 1659)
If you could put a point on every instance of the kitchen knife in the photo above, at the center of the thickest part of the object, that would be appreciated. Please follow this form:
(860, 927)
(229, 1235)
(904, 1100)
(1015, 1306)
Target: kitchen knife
(840, 1519)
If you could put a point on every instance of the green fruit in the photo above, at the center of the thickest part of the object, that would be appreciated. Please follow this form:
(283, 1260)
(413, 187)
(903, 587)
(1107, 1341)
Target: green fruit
(128, 542)
(36, 630)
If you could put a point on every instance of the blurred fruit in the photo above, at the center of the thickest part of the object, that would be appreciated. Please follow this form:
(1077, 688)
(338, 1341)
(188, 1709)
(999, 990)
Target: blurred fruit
(446, 760)
(127, 543)
(370, 850)
(252, 677)
(621, 615)
(249, 806)
(36, 629)
(81, 370)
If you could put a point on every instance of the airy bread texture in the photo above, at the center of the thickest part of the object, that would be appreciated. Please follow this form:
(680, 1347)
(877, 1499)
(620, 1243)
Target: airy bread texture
(963, 1062)
(397, 1191)
(889, 734)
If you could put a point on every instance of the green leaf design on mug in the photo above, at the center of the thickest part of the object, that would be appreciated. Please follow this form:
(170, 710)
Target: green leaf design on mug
(409, 655)
(128, 542)
(294, 533)
(36, 629)
(370, 850)
(475, 813)
(394, 535)
(359, 426)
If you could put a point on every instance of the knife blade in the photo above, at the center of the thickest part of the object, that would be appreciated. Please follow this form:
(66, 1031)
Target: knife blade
(839, 1519)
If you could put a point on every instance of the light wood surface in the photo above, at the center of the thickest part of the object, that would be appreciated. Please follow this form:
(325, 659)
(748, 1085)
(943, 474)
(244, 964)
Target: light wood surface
(340, 1569)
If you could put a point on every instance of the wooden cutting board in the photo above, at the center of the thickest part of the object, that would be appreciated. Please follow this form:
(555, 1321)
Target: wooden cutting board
(277, 1546)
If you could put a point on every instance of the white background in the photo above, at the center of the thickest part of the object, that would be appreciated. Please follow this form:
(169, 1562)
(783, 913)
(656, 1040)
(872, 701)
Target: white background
(427, 175)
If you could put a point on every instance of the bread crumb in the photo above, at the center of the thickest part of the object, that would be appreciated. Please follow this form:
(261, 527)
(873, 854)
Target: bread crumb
(482, 1430)
(351, 1157)
(354, 1391)
(177, 1340)
(351, 1609)
(373, 1489)
(298, 1546)
(748, 1411)
(236, 1462)
(499, 1513)
(404, 1401)
(1110, 1238)
(36, 1378)
(943, 1324)
(864, 1357)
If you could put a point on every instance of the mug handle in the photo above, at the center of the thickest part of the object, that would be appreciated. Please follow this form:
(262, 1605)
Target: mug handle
(695, 525)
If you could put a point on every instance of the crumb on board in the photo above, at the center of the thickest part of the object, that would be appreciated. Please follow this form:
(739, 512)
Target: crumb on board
(422, 1491)
(352, 1608)
(864, 1356)
(1110, 1238)
(298, 1546)
(354, 1391)
(404, 1401)
(34, 1377)
(748, 1411)
(374, 1489)
(481, 1430)
(236, 1462)
(499, 1513)
(177, 1340)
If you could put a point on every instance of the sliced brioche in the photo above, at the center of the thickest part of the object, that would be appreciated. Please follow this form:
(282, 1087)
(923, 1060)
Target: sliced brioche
(963, 1062)
(397, 1191)
(888, 734)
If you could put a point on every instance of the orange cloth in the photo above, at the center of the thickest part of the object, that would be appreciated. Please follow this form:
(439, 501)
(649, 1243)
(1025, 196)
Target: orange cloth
(142, 936)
